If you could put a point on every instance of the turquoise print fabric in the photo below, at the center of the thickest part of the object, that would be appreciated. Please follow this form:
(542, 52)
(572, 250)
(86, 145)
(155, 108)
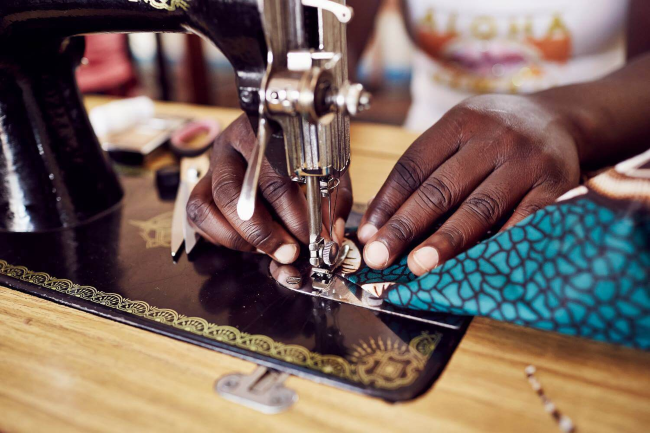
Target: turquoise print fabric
(580, 267)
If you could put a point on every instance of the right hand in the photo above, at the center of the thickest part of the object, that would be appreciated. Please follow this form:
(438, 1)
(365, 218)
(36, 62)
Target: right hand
(490, 159)
(279, 223)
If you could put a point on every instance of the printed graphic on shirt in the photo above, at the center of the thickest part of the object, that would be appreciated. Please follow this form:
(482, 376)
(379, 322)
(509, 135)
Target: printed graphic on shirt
(484, 54)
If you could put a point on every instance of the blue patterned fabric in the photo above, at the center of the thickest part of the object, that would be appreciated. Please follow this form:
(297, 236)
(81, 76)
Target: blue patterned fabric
(579, 267)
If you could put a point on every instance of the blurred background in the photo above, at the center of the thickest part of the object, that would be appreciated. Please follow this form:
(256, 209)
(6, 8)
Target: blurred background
(184, 68)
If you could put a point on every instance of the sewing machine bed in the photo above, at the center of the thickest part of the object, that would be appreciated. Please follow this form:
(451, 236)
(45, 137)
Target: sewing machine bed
(119, 266)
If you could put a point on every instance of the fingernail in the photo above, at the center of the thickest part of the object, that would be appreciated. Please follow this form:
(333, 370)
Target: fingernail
(376, 255)
(286, 253)
(426, 258)
(339, 230)
(286, 275)
(366, 232)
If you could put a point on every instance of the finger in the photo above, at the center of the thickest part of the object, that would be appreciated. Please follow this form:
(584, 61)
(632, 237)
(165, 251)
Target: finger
(493, 199)
(287, 201)
(287, 275)
(341, 205)
(203, 215)
(339, 231)
(437, 196)
(536, 199)
(203, 234)
(325, 232)
(280, 192)
(438, 143)
(261, 231)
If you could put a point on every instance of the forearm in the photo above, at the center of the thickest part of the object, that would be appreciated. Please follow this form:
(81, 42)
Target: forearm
(609, 118)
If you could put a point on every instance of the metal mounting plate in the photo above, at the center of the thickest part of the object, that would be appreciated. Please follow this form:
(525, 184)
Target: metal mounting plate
(262, 390)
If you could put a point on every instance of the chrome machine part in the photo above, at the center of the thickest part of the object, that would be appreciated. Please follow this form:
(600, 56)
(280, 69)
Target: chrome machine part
(342, 12)
(315, 221)
(336, 287)
(262, 390)
(306, 92)
(330, 253)
(247, 197)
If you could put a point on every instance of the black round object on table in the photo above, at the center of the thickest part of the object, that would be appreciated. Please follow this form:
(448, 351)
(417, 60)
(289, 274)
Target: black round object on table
(53, 174)
(167, 180)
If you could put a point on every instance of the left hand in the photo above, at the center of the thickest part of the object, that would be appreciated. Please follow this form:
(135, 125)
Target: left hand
(279, 223)
(490, 158)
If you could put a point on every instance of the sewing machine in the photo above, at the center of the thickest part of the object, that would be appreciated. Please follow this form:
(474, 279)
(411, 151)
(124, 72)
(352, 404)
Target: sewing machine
(291, 67)
(105, 250)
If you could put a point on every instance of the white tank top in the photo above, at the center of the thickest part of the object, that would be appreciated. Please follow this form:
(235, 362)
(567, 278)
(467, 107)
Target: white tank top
(467, 47)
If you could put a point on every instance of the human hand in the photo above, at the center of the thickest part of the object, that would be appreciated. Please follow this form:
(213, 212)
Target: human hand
(280, 219)
(490, 158)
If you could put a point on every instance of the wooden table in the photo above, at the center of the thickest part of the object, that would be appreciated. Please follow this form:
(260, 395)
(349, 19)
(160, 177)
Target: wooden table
(65, 370)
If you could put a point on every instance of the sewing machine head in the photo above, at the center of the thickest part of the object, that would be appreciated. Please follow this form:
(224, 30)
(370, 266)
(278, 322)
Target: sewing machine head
(290, 61)
(306, 92)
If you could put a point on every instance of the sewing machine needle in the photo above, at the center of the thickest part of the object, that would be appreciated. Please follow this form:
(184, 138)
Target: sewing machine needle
(246, 203)
(329, 211)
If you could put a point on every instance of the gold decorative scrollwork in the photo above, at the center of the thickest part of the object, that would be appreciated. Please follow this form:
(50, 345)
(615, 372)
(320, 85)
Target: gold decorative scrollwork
(157, 231)
(424, 344)
(392, 365)
(381, 364)
(293, 354)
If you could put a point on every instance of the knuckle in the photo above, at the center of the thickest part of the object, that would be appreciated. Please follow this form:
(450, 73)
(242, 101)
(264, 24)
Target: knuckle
(454, 236)
(225, 191)
(197, 210)
(538, 203)
(548, 161)
(464, 109)
(528, 209)
(381, 212)
(274, 189)
(555, 178)
(485, 206)
(521, 147)
(477, 108)
(407, 174)
(225, 139)
(435, 195)
(510, 145)
(238, 135)
(222, 139)
(402, 228)
(256, 234)
(471, 104)
(235, 242)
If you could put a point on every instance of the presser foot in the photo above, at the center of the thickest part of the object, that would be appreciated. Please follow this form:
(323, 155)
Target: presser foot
(322, 277)
(330, 283)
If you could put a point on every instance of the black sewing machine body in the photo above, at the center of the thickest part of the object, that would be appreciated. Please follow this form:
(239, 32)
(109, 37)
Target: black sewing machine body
(98, 248)
(118, 266)
(52, 171)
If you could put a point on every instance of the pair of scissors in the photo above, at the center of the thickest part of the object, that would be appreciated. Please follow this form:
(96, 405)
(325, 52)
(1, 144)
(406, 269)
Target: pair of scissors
(191, 143)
